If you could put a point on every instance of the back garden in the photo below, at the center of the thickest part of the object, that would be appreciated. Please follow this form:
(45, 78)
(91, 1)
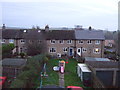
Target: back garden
(30, 77)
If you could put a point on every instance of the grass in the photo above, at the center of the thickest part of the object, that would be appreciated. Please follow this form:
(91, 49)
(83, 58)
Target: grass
(70, 76)
(53, 78)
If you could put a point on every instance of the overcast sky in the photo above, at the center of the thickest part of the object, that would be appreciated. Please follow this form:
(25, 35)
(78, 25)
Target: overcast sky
(100, 14)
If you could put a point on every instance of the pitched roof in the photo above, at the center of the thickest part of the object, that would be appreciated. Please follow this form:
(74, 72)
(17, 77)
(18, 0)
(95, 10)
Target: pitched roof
(13, 62)
(60, 34)
(34, 34)
(89, 34)
(53, 34)
(12, 34)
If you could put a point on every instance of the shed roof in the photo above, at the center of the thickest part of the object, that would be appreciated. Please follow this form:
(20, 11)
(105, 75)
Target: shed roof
(103, 64)
(13, 62)
(84, 67)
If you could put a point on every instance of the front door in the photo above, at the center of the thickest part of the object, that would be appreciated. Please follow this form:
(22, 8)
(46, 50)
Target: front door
(79, 51)
(71, 51)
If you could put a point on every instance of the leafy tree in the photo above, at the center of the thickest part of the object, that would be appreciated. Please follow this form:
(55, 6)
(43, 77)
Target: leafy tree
(30, 72)
(7, 50)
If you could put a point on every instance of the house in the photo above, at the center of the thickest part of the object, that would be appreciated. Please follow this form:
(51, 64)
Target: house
(83, 42)
(109, 43)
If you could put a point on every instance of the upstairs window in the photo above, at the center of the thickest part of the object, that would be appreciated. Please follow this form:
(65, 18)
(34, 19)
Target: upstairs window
(52, 41)
(97, 42)
(69, 41)
(80, 41)
(61, 41)
(89, 41)
(11, 40)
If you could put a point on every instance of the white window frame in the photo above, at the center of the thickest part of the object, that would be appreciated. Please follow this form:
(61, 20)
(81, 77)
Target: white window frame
(96, 52)
(51, 41)
(79, 41)
(62, 41)
(54, 48)
(97, 41)
(65, 49)
(84, 49)
(11, 40)
(3, 41)
(21, 41)
(69, 41)
(89, 41)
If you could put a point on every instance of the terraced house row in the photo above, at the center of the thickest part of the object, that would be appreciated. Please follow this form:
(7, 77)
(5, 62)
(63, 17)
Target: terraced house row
(83, 42)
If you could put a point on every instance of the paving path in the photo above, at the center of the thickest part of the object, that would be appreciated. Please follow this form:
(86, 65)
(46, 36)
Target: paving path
(61, 80)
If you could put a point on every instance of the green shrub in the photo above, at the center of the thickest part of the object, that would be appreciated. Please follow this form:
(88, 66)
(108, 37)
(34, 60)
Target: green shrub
(22, 55)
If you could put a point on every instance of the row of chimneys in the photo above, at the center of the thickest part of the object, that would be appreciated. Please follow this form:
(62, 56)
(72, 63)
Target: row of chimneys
(77, 27)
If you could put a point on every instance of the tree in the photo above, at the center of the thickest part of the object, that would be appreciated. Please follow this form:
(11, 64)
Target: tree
(7, 50)
(35, 43)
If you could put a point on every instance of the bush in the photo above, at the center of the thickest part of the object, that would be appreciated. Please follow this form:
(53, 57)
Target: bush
(30, 72)
(22, 55)
(18, 84)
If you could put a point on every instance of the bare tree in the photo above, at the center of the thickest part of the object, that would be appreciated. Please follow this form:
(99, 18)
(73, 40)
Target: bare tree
(35, 42)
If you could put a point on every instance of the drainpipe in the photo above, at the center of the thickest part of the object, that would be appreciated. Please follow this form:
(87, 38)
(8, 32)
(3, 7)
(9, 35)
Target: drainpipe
(75, 48)
(102, 49)
(81, 51)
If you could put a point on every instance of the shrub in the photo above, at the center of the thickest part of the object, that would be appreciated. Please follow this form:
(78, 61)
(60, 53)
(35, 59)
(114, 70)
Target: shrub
(22, 55)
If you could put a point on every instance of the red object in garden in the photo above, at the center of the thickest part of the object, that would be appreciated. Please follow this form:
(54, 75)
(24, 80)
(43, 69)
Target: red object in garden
(2, 80)
(75, 87)
(66, 62)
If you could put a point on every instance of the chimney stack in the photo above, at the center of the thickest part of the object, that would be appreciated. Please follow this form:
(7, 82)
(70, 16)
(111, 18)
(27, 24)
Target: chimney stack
(3, 27)
(46, 28)
(90, 28)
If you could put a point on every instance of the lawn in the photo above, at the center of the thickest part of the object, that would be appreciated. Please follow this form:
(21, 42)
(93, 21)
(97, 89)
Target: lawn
(53, 78)
(70, 76)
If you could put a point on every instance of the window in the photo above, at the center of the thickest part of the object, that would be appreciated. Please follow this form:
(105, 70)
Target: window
(3, 41)
(31, 41)
(11, 40)
(96, 50)
(39, 41)
(61, 41)
(89, 42)
(97, 42)
(22, 41)
(81, 41)
(52, 41)
(84, 50)
(52, 50)
(65, 49)
(69, 41)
